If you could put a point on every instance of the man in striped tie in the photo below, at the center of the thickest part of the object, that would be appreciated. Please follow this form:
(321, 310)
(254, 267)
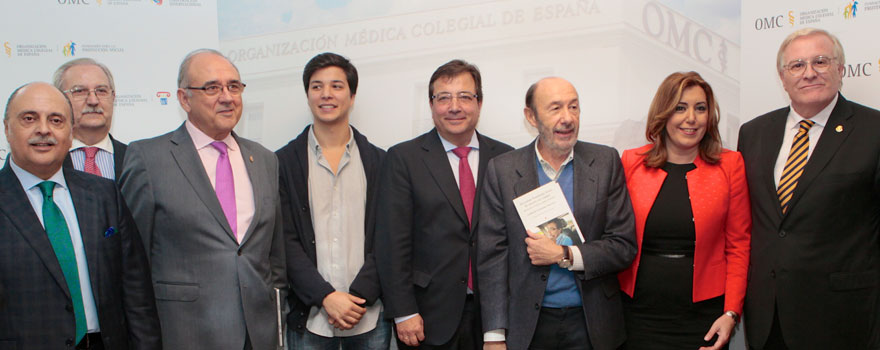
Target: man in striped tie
(814, 177)
(89, 86)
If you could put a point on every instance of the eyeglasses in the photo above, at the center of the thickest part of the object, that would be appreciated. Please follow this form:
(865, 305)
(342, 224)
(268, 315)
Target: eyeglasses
(445, 98)
(235, 88)
(80, 93)
(820, 65)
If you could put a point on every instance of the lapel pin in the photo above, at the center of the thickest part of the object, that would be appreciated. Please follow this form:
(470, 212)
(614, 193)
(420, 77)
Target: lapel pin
(839, 128)
(252, 157)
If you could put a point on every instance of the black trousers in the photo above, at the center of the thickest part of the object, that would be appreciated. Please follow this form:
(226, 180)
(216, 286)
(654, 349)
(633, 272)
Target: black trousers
(561, 329)
(774, 340)
(468, 336)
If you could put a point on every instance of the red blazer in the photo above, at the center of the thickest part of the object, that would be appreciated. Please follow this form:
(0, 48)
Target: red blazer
(722, 219)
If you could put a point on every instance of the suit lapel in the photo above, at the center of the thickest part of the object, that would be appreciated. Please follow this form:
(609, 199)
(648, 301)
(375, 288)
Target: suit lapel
(527, 171)
(487, 151)
(87, 212)
(28, 224)
(258, 184)
(118, 156)
(184, 153)
(438, 166)
(827, 146)
(773, 135)
(586, 188)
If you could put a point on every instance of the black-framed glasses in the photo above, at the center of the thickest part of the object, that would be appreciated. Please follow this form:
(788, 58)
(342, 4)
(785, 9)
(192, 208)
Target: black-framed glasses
(820, 65)
(445, 98)
(234, 88)
(80, 93)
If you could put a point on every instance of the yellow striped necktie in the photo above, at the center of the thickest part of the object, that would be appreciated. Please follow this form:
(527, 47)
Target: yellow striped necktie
(794, 165)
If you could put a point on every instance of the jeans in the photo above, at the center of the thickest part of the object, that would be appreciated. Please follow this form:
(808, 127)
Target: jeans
(378, 338)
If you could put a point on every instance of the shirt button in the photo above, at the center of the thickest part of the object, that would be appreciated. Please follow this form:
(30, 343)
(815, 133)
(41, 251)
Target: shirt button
(782, 233)
(543, 277)
(537, 307)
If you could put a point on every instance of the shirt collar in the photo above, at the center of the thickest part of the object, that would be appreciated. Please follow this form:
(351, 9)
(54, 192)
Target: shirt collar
(29, 180)
(820, 118)
(449, 146)
(315, 147)
(105, 144)
(546, 164)
(202, 140)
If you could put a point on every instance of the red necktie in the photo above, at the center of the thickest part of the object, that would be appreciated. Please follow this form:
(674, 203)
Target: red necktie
(91, 167)
(467, 190)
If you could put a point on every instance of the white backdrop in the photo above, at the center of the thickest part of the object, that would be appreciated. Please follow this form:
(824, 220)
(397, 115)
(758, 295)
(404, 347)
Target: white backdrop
(766, 23)
(142, 41)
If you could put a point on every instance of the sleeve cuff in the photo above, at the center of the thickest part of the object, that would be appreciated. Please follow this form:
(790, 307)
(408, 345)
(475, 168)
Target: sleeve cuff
(494, 335)
(404, 318)
(577, 263)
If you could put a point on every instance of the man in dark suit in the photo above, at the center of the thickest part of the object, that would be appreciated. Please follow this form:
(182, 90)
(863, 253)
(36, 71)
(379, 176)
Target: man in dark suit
(207, 205)
(814, 182)
(90, 88)
(426, 218)
(329, 177)
(534, 292)
(73, 272)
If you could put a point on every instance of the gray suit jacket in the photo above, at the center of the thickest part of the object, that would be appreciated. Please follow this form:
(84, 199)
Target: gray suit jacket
(210, 291)
(512, 289)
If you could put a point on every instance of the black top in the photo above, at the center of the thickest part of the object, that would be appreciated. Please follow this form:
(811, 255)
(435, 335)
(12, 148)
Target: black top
(669, 228)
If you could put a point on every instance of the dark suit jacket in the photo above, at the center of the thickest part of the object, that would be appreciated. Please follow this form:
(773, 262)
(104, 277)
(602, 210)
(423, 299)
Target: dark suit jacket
(35, 310)
(511, 288)
(423, 241)
(308, 286)
(820, 263)
(118, 157)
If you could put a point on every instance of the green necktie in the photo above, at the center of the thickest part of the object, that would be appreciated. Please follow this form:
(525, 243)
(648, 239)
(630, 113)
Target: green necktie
(59, 236)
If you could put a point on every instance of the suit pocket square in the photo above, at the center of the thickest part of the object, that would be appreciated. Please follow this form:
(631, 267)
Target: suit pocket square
(110, 232)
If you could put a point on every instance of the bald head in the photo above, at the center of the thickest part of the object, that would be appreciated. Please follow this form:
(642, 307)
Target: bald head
(553, 108)
(38, 85)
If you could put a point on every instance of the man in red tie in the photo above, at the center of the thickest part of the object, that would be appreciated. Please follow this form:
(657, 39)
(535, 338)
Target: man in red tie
(89, 86)
(426, 216)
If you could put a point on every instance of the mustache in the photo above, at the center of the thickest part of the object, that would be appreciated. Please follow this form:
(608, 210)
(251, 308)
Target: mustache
(43, 139)
(96, 109)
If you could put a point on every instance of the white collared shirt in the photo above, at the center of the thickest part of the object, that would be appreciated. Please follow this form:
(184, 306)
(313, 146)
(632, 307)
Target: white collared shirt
(792, 125)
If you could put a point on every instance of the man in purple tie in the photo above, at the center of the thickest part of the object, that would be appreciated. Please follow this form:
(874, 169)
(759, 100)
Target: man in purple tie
(89, 86)
(207, 204)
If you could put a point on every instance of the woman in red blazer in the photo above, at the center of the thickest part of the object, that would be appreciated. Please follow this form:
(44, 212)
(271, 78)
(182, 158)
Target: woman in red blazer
(686, 286)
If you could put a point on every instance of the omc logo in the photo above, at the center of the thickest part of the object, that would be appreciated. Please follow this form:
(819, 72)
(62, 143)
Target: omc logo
(70, 49)
(851, 9)
(7, 49)
(791, 18)
(773, 22)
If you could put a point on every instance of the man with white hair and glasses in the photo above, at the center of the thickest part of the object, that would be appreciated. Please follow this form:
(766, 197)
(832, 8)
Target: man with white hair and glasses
(813, 170)
(89, 86)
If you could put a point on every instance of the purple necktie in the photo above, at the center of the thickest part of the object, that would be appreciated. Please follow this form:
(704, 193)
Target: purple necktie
(467, 190)
(225, 186)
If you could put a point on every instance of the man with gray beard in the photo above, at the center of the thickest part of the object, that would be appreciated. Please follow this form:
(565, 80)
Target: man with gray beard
(89, 86)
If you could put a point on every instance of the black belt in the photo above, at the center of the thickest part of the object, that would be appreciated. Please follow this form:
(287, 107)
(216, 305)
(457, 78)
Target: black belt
(91, 341)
